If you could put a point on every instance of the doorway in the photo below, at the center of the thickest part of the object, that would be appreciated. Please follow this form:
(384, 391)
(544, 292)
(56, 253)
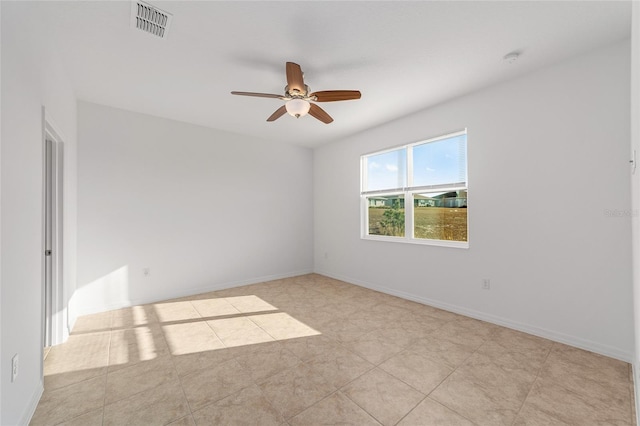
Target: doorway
(53, 231)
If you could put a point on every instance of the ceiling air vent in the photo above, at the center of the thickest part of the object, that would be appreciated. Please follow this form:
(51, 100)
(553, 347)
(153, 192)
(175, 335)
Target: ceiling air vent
(150, 19)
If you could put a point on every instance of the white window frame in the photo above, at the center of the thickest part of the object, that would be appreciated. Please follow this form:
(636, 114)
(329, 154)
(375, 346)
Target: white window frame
(408, 193)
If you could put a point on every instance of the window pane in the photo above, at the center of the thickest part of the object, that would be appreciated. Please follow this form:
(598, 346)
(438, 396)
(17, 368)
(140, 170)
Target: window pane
(440, 162)
(386, 215)
(440, 216)
(386, 171)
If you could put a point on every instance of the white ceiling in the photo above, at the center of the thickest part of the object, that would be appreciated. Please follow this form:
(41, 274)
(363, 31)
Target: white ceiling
(402, 56)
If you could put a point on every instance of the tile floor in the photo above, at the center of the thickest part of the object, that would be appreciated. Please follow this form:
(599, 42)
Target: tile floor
(313, 350)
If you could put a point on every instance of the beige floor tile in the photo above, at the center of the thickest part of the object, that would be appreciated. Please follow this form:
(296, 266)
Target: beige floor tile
(191, 363)
(82, 357)
(529, 415)
(383, 396)
(461, 333)
(92, 323)
(485, 392)
(283, 326)
(185, 421)
(588, 382)
(239, 331)
(431, 413)
(555, 401)
(519, 341)
(515, 351)
(175, 311)
(375, 346)
(390, 313)
(588, 374)
(339, 366)
(295, 389)
(482, 328)
(214, 307)
(418, 327)
(245, 407)
(306, 348)
(159, 405)
(419, 372)
(139, 377)
(317, 319)
(207, 386)
(191, 337)
(59, 380)
(69, 402)
(92, 418)
(265, 359)
(614, 369)
(442, 351)
(133, 316)
(336, 409)
(440, 314)
(346, 329)
(134, 345)
(250, 304)
(137, 358)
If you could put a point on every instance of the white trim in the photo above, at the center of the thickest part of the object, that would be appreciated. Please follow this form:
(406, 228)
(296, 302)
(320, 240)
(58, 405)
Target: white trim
(577, 342)
(420, 142)
(76, 312)
(30, 410)
(59, 329)
(636, 400)
(418, 241)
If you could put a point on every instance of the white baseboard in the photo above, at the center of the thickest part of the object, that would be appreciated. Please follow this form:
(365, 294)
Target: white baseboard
(33, 404)
(556, 336)
(76, 311)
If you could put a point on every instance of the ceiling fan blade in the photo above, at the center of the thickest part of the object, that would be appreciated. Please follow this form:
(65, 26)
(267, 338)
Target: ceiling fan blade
(259, 95)
(336, 95)
(320, 114)
(294, 77)
(279, 113)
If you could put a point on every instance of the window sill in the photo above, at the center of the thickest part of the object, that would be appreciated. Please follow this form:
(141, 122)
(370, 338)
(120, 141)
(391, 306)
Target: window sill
(439, 243)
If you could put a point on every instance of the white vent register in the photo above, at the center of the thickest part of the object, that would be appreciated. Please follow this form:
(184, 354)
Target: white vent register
(150, 19)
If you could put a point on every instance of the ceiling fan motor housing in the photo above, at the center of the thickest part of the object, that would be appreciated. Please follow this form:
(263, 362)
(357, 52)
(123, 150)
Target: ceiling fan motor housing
(295, 93)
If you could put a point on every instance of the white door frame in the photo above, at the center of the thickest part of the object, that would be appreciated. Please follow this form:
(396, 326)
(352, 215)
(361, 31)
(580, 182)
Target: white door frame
(53, 325)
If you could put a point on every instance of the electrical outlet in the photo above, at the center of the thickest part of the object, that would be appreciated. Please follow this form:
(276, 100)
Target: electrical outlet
(486, 284)
(14, 368)
(146, 271)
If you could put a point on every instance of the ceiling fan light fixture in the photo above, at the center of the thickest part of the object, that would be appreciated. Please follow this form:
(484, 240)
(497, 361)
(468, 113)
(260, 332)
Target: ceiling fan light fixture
(297, 107)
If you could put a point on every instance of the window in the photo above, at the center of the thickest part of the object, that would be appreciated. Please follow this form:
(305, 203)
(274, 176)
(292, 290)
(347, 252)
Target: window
(417, 193)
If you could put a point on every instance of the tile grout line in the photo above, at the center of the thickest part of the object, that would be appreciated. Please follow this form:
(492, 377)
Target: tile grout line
(443, 380)
(533, 383)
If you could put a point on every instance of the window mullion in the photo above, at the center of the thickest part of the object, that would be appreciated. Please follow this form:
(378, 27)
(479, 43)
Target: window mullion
(408, 197)
(408, 215)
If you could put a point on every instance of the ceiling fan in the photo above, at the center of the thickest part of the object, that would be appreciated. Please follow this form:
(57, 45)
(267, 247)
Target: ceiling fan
(298, 97)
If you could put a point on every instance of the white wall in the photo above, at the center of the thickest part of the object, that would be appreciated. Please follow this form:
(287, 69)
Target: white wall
(31, 78)
(201, 208)
(548, 154)
(635, 185)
